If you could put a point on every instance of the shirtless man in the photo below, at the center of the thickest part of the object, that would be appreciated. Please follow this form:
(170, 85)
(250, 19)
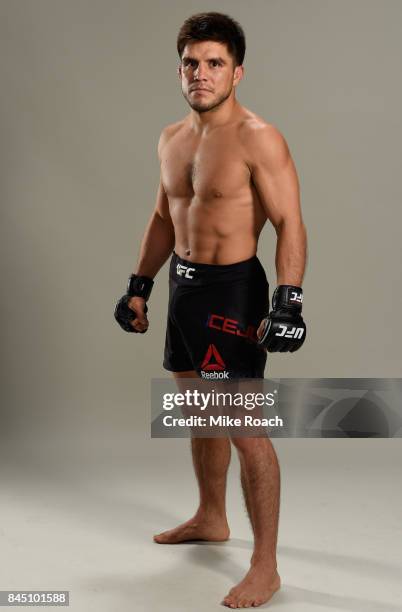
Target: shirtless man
(224, 172)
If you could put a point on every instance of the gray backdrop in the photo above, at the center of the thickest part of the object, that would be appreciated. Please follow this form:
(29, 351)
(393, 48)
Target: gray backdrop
(86, 87)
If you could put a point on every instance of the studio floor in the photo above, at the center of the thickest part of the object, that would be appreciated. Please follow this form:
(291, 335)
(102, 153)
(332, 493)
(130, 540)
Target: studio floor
(83, 521)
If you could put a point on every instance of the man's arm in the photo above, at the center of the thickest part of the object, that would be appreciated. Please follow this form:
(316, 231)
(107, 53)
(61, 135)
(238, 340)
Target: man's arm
(158, 241)
(156, 246)
(275, 179)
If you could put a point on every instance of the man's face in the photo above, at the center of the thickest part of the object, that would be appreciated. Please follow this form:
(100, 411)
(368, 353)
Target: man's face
(207, 74)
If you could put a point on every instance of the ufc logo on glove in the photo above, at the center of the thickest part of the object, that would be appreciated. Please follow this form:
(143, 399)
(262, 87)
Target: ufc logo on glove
(295, 332)
(284, 329)
(296, 297)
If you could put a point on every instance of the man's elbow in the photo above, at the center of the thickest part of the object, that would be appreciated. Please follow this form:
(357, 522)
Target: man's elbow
(290, 224)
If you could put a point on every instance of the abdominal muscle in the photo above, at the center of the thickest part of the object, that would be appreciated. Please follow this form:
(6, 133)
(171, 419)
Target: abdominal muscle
(220, 231)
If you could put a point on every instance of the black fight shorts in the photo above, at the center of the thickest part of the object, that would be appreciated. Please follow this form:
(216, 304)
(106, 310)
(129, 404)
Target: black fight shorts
(213, 316)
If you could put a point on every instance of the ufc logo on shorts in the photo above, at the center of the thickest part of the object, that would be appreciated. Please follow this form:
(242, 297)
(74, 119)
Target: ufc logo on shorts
(295, 332)
(184, 271)
(296, 297)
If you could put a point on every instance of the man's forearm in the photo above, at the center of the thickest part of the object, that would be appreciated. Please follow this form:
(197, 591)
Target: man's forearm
(291, 253)
(157, 244)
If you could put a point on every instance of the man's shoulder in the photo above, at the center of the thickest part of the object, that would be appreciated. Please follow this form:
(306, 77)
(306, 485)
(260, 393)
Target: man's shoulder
(168, 132)
(254, 129)
(171, 129)
(261, 138)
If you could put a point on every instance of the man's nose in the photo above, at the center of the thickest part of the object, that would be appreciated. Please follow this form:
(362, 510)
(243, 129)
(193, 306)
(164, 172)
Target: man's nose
(200, 72)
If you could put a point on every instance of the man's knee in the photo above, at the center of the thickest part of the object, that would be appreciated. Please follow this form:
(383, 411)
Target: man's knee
(250, 446)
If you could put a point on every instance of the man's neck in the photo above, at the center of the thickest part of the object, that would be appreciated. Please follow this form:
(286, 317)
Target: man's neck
(221, 115)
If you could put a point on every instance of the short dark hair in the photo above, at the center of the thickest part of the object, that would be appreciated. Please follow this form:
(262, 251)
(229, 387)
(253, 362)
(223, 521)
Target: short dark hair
(214, 26)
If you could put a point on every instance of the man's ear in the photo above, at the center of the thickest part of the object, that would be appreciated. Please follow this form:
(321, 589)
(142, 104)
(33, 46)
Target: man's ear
(238, 74)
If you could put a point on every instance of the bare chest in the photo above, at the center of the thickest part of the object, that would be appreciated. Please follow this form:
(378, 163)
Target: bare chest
(207, 169)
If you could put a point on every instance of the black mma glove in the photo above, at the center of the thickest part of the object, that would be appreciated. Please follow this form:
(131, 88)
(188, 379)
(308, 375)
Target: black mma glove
(140, 286)
(284, 328)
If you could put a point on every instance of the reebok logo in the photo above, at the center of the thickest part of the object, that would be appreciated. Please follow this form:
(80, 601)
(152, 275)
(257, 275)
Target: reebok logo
(212, 359)
(213, 366)
(184, 271)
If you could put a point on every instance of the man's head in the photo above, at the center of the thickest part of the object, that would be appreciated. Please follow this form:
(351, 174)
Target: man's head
(211, 47)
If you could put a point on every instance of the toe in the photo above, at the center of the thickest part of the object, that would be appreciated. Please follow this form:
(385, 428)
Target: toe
(227, 601)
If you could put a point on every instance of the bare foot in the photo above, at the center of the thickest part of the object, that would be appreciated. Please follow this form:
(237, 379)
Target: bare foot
(197, 528)
(256, 588)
